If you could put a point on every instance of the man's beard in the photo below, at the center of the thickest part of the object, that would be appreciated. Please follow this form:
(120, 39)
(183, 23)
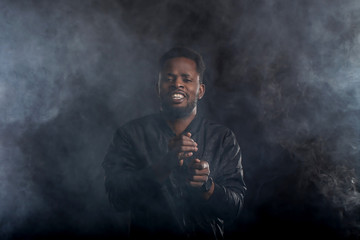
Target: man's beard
(178, 112)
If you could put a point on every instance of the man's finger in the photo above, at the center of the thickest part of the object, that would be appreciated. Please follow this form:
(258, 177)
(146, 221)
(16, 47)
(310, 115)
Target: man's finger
(204, 164)
(199, 172)
(188, 142)
(196, 178)
(188, 149)
(184, 138)
(181, 142)
(182, 155)
(188, 154)
(196, 184)
(194, 161)
(200, 165)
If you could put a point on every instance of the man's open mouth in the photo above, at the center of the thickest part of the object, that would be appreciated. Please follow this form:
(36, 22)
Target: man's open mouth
(177, 96)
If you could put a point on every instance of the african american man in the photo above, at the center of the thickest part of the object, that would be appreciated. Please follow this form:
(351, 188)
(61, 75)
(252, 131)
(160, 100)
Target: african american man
(179, 174)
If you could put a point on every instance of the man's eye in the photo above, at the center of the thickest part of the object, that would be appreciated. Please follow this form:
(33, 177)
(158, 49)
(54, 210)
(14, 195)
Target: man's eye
(187, 80)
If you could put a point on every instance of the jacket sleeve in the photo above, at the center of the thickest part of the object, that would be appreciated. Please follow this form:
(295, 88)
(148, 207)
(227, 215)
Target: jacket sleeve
(227, 199)
(127, 183)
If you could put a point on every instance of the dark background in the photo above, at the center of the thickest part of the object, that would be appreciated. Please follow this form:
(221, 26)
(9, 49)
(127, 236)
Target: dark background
(283, 75)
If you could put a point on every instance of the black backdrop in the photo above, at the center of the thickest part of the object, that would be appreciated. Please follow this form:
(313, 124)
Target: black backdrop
(283, 75)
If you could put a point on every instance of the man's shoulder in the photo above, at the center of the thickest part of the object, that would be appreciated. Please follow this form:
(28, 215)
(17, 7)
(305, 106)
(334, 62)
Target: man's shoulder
(141, 121)
(216, 126)
(223, 133)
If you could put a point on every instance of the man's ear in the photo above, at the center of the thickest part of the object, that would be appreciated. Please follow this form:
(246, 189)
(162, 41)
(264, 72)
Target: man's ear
(201, 90)
(157, 85)
(157, 88)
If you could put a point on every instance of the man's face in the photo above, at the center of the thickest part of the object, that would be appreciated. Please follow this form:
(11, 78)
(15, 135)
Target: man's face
(179, 87)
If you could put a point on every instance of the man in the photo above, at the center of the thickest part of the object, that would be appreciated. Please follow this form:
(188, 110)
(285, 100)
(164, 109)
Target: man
(179, 174)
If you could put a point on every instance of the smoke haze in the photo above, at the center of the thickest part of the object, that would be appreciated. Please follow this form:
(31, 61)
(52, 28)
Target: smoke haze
(283, 75)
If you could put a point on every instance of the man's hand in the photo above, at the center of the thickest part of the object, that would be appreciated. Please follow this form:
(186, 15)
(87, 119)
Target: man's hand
(198, 174)
(182, 146)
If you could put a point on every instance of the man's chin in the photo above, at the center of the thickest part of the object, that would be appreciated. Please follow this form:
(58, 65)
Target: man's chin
(177, 112)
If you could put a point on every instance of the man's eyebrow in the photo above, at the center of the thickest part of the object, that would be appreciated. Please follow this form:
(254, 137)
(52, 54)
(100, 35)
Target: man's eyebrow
(185, 75)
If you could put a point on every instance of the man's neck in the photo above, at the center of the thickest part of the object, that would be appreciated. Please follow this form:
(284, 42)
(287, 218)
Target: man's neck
(178, 125)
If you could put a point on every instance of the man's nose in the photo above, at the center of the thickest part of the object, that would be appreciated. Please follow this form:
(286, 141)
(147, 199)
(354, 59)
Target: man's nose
(178, 83)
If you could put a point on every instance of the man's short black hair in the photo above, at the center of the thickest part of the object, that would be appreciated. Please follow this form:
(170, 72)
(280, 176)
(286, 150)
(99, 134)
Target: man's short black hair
(187, 53)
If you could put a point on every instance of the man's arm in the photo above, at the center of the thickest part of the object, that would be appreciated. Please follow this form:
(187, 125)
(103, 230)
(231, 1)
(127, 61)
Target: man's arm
(227, 199)
(126, 182)
(225, 196)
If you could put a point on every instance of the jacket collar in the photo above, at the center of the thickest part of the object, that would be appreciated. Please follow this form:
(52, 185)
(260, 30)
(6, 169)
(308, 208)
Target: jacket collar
(193, 127)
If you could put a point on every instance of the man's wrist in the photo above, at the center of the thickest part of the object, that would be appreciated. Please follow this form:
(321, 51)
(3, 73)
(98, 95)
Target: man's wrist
(207, 185)
(207, 194)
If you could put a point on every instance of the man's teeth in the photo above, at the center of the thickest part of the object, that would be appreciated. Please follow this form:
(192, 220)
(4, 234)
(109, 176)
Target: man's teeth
(177, 96)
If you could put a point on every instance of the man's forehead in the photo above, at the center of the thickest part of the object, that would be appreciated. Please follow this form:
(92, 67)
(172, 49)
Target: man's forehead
(180, 64)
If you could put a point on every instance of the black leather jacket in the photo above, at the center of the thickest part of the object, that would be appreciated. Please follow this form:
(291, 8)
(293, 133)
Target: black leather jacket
(173, 209)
